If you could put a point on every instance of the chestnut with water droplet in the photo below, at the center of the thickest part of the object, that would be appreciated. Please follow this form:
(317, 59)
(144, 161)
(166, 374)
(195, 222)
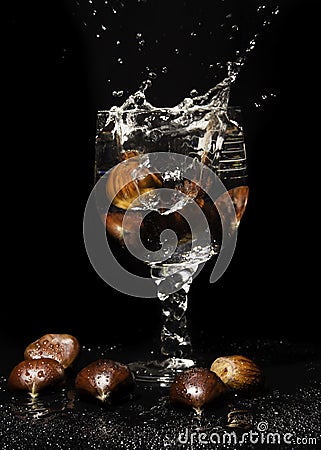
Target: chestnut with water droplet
(104, 379)
(35, 375)
(63, 348)
(196, 387)
(239, 373)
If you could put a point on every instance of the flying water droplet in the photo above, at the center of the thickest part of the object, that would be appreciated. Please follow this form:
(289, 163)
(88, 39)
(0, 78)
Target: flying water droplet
(193, 93)
(120, 60)
(118, 94)
(176, 51)
(276, 11)
(228, 16)
(164, 69)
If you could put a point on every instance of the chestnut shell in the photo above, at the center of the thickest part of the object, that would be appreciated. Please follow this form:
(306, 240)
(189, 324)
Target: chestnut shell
(104, 378)
(238, 372)
(35, 375)
(196, 387)
(63, 348)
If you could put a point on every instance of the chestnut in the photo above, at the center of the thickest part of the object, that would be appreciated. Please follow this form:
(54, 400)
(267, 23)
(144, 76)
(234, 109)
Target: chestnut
(104, 378)
(35, 375)
(63, 348)
(196, 387)
(238, 372)
(128, 180)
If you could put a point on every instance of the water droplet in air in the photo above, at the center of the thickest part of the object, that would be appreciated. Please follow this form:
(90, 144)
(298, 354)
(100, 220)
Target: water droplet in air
(276, 11)
(152, 75)
(235, 28)
(94, 12)
(138, 35)
(139, 98)
(114, 10)
(266, 22)
(228, 16)
(176, 51)
(120, 61)
(97, 35)
(260, 8)
(164, 69)
(117, 42)
(193, 93)
(118, 94)
(103, 27)
(193, 34)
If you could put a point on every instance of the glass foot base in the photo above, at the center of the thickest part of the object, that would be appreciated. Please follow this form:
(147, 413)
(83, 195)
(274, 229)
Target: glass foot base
(158, 371)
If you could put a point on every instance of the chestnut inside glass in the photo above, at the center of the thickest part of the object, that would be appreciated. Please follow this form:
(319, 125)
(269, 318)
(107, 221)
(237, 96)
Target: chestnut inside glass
(213, 137)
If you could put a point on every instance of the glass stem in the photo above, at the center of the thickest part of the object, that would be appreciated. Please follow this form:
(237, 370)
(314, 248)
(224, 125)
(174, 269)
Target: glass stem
(175, 340)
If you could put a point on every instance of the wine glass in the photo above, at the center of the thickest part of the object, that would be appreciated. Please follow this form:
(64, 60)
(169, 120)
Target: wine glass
(170, 189)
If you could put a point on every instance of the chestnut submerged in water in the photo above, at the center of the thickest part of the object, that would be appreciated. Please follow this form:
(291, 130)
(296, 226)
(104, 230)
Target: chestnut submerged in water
(103, 379)
(196, 387)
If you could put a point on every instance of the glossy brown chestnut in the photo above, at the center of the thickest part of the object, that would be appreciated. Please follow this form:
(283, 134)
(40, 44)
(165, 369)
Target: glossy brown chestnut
(35, 375)
(238, 372)
(64, 348)
(104, 378)
(128, 180)
(196, 387)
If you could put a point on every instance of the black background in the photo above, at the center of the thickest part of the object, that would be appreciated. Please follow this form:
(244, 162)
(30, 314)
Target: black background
(56, 74)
